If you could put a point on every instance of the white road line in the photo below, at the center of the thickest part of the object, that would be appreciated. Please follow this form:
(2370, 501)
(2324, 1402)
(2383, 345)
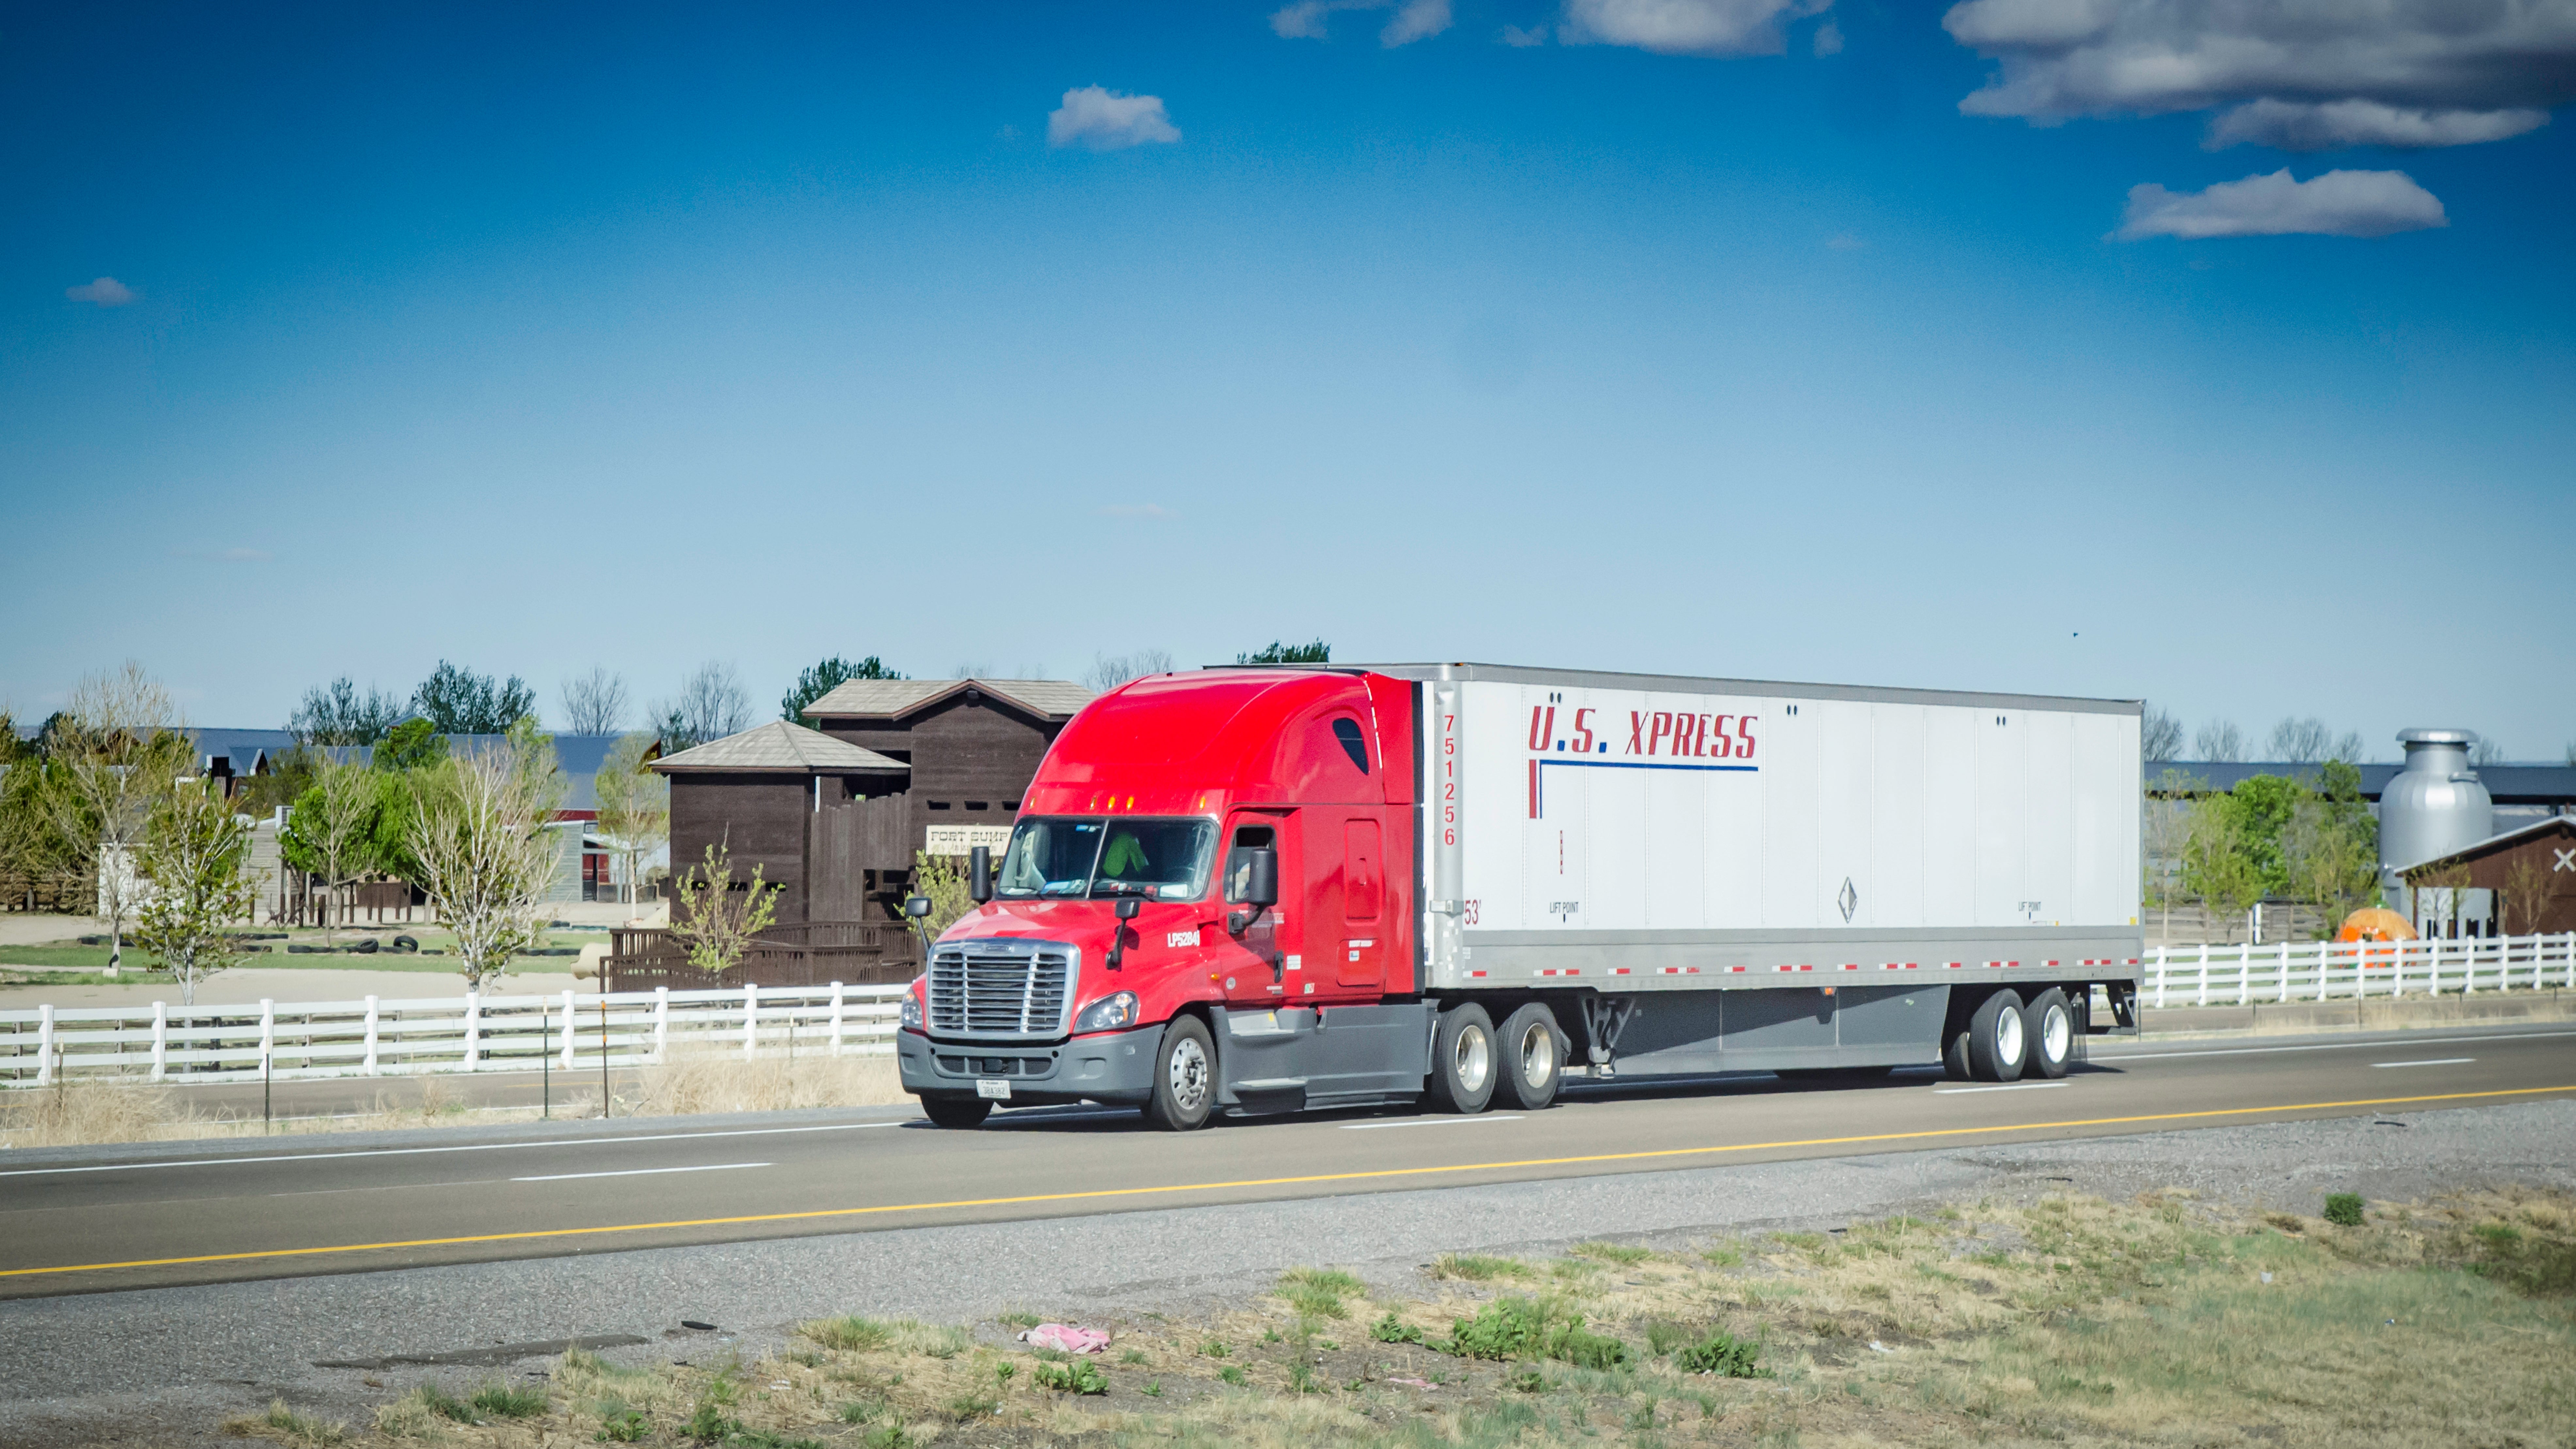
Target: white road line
(1431, 1122)
(2437, 1062)
(2107, 1057)
(469, 1147)
(2006, 1087)
(643, 1171)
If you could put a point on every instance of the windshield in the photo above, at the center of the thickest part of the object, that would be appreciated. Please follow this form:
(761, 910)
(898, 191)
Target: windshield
(1063, 858)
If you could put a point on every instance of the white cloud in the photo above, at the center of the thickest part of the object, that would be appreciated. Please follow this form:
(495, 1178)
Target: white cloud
(1413, 20)
(2339, 203)
(1106, 120)
(1520, 39)
(2300, 126)
(106, 292)
(1829, 39)
(1685, 27)
(2341, 72)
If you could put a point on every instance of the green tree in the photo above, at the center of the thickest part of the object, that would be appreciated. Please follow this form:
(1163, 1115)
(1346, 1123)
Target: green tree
(458, 701)
(1318, 652)
(715, 919)
(289, 774)
(823, 678)
(634, 803)
(2218, 865)
(107, 770)
(415, 744)
(480, 843)
(337, 714)
(2330, 847)
(2265, 806)
(192, 861)
(335, 830)
(941, 879)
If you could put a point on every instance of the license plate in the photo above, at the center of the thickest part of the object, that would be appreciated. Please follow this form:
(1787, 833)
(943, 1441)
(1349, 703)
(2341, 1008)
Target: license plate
(993, 1088)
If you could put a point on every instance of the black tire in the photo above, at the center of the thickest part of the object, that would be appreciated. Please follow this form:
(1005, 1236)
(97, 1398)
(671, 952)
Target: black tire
(1184, 1077)
(1463, 1060)
(956, 1112)
(2048, 1025)
(1998, 1045)
(1954, 1058)
(1532, 1053)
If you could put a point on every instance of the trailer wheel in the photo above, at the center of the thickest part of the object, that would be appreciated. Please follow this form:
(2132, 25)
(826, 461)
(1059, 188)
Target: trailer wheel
(1462, 1060)
(1533, 1064)
(1184, 1077)
(1997, 1042)
(2049, 1024)
(956, 1112)
(1954, 1058)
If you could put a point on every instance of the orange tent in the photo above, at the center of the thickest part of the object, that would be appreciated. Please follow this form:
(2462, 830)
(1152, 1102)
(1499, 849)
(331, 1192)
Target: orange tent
(2376, 923)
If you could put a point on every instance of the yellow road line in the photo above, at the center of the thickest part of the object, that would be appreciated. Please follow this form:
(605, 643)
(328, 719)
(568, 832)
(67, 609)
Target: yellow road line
(1113, 1192)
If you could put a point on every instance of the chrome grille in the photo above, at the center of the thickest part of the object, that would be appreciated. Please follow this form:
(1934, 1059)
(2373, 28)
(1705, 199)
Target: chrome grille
(999, 989)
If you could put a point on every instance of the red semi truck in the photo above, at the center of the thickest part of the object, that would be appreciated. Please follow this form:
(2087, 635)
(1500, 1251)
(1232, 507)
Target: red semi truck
(1250, 891)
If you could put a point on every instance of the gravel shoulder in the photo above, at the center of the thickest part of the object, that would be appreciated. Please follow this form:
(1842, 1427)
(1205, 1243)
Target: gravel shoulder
(167, 1366)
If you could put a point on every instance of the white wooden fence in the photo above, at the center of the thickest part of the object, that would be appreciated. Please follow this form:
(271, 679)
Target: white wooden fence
(2316, 970)
(396, 1037)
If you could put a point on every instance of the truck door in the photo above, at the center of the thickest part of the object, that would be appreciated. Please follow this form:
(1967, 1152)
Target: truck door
(1361, 960)
(1266, 967)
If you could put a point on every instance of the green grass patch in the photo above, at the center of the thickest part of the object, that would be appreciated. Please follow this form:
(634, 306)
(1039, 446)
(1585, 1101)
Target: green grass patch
(504, 1402)
(2344, 1209)
(848, 1333)
(1620, 1253)
(1478, 1268)
(1511, 1328)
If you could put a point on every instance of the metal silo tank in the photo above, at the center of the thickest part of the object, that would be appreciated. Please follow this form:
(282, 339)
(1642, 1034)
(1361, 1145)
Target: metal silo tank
(2435, 805)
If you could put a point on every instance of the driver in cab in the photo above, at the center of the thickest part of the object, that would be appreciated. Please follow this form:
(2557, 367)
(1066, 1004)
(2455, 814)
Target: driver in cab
(1124, 858)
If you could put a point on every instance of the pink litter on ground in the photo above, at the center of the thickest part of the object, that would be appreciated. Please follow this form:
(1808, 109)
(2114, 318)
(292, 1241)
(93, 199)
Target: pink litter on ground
(1413, 1383)
(1066, 1337)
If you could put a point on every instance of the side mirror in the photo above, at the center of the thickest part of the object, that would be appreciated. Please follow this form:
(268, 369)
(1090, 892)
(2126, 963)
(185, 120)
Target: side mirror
(916, 907)
(1252, 876)
(979, 873)
(1128, 906)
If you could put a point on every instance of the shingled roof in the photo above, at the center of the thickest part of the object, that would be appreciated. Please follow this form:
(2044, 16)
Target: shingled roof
(778, 748)
(891, 698)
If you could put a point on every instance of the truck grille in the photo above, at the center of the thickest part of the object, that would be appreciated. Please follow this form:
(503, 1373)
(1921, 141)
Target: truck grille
(980, 990)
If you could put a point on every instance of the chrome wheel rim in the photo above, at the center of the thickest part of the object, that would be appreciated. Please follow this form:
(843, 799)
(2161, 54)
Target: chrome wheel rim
(1188, 1074)
(1473, 1060)
(2008, 1041)
(2057, 1033)
(1538, 1054)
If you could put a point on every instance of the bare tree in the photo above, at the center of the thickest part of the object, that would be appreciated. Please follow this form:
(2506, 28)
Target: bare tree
(595, 703)
(337, 714)
(2219, 742)
(713, 919)
(1108, 671)
(193, 861)
(711, 704)
(107, 768)
(484, 853)
(2302, 741)
(634, 804)
(2159, 736)
(971, 671)
(2526, 897)
(2167, 828)
(2349, 748)
(2484, 751)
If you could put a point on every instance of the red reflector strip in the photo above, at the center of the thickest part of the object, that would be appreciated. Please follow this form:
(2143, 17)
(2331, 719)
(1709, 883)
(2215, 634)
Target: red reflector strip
(1682, 970)
(2052, 963)
(1475, 973)
(1955, 965)
(1618, 970)
(1851, 965)
(1562, 971)
(1734, 968)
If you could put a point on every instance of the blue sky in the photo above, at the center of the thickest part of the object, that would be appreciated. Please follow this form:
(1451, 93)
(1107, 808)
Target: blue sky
(644, 337)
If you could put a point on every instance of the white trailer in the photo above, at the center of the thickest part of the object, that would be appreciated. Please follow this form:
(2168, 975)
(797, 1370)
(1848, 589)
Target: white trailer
(1712, 874)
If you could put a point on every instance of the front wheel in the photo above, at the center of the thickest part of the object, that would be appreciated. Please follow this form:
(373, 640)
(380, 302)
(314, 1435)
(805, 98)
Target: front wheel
(1462, 1060)
(956, 1112)
(1533, 1060)
(1184, 1077)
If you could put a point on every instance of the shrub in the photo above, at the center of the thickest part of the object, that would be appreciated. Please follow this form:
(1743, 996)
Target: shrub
(1527, 1328)
(2344, 1209)
(1084, 1377)
(1389, 1330)
(1723, 1354)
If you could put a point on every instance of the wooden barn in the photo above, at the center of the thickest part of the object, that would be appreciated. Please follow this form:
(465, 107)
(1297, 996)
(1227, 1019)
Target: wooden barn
(2532, 872)
(781, 798)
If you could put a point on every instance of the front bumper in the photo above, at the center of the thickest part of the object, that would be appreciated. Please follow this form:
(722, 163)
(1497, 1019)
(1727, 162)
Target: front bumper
(1115, 1067)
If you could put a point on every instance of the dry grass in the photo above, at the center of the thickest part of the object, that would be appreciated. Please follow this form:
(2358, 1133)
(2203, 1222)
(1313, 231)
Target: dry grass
(720, 1082)
(2068, 1320)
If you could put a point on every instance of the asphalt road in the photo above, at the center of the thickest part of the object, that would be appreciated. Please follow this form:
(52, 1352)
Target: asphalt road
(148, 1218)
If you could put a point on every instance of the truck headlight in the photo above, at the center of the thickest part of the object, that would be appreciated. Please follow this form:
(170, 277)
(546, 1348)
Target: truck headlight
(1108, 1013)
(912, 1007)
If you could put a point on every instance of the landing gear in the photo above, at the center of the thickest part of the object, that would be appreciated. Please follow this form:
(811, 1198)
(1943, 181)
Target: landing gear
(1462, 1060)
(1533, 1064)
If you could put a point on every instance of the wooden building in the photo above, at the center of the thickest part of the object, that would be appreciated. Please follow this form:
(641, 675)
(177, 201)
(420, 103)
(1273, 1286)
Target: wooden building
(973, 745)
(782, 798)
(2531, 871)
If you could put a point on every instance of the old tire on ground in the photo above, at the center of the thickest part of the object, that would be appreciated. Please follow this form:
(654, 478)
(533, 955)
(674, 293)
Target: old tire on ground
(1533, 1060)
(2048, 1024)
(958, 1112)
(1462, 1060)
(1184, 1077)
(1998, 1043)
